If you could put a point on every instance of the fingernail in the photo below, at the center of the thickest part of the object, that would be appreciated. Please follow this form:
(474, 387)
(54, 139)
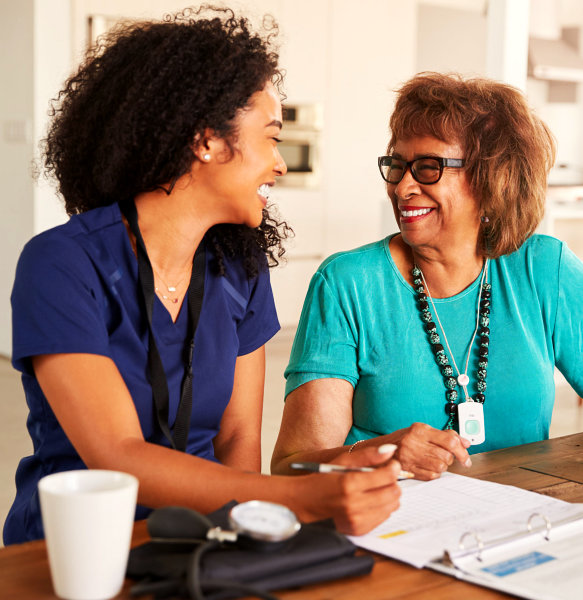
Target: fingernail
(387, 449)
(468, 463)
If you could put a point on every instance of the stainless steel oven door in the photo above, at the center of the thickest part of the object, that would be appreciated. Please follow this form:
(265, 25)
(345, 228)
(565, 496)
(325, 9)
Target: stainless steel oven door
(301, 151)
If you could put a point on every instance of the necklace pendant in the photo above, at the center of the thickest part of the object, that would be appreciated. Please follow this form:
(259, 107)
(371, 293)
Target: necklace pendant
(471, 422)
(463, 379)
(171, 288)
(173, 300)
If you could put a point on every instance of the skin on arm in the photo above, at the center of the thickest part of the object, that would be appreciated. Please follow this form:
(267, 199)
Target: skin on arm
(94, 407)
(318, 416)
(238, 443)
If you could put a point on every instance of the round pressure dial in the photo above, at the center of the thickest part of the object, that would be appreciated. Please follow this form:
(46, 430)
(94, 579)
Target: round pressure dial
(264, 521)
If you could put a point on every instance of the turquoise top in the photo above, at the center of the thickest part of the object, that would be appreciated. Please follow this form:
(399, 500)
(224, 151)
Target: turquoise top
(360, 322)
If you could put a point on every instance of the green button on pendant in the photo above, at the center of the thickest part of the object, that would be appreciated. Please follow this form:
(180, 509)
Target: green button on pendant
(472, 427)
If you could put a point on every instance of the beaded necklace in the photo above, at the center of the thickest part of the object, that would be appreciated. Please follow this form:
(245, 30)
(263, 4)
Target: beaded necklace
(482, 322)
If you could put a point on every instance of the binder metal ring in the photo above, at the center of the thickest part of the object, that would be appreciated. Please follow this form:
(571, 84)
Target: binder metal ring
(545, 519)
(479, 542)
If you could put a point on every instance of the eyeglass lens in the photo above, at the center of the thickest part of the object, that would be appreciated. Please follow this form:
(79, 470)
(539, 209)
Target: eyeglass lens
(424, 170)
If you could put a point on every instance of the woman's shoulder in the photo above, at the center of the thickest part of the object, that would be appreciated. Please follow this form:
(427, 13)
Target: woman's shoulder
(536, 265)
(539, 250)
(51, 246)
(83, 223)
(543, 243)
(69, 242)
(367, 256)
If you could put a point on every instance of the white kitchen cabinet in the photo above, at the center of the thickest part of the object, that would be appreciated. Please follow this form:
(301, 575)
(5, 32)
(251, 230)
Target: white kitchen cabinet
(564, 216)
(342, 56)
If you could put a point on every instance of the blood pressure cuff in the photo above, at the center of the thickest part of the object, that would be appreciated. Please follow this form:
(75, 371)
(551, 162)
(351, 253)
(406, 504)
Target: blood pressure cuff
(317, 553)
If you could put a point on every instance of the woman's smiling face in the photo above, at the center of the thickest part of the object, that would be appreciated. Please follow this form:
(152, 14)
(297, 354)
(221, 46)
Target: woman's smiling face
(438, 215)
(239, 182)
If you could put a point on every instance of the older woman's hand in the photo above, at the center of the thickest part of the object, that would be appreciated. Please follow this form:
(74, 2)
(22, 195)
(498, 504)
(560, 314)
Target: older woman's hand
(428, 452)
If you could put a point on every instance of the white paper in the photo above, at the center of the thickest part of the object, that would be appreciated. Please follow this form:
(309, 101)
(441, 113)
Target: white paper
(435, 514)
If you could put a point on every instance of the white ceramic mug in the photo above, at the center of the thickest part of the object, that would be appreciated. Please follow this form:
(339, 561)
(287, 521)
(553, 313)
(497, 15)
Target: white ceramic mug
(88, 518)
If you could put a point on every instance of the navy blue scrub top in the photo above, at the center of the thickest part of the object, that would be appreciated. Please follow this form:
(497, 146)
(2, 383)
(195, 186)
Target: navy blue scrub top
(76, 291)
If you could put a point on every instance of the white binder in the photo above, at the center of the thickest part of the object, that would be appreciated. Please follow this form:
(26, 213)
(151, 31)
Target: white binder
(494, 535)
(542, 561)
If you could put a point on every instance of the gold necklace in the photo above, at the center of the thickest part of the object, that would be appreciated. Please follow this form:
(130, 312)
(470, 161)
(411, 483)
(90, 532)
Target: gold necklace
(170, 288)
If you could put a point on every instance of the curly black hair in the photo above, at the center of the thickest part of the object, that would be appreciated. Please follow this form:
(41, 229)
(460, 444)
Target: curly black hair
(126, 120)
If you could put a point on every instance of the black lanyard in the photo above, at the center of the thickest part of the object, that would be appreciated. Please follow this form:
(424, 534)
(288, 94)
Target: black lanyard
(156, 373)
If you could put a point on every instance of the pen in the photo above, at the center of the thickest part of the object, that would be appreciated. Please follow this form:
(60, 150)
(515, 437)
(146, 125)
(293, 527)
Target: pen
(315, 467)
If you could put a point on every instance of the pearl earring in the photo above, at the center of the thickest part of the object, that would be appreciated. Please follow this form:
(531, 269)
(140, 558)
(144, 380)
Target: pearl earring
(484, 219)
(206, 157)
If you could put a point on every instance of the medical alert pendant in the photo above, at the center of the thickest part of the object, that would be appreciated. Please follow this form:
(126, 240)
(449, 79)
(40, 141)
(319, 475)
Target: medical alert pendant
(471, 421)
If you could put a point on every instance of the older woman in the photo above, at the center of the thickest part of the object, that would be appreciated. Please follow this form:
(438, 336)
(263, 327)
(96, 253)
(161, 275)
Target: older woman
(140, 324)
(446, 334)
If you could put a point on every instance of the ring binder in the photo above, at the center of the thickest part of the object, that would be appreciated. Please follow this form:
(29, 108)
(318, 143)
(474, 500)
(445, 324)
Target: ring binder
(479, 543)
(547, 521)
(506, 538)
(482, 546)
(530, 563)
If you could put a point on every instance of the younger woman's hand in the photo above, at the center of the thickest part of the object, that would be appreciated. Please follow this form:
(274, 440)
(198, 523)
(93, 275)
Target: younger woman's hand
(357, 501)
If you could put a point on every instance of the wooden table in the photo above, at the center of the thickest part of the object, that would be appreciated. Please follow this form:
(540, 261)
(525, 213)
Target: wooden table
(552, 467)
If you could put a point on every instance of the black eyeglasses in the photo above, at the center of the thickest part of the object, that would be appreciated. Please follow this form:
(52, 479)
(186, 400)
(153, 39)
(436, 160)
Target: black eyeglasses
(425, 169)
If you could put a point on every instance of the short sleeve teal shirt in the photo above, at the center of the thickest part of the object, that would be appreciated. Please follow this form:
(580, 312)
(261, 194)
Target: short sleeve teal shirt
(360, 322)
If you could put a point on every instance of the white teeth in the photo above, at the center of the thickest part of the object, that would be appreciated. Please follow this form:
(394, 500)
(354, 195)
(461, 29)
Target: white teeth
(415, 213)
(264, 190)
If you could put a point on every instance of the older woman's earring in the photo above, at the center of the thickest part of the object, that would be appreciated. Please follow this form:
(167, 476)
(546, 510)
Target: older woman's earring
(206, 157)
(484, 219)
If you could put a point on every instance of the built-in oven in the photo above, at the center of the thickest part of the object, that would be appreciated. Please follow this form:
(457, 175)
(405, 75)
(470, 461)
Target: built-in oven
(300, 145)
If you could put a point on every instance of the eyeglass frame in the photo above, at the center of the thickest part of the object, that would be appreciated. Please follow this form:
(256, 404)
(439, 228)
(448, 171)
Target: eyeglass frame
(456, 163)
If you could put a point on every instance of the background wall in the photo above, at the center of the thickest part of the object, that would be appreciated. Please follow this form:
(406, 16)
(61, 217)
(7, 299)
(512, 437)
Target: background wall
(35, 57)
(349, 58)
(16, 107)
(443, 30)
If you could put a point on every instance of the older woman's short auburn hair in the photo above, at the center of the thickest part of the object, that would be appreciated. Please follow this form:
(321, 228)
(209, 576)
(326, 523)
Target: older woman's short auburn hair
(508, 150)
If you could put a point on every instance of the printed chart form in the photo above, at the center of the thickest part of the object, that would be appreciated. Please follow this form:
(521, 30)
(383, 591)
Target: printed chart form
(434, 515)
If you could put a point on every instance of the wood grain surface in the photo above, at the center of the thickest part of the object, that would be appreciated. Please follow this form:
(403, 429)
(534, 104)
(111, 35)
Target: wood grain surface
(552, 467)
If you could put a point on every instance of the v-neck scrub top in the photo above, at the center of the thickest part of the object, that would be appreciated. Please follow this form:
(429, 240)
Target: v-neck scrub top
(361, 323)
(76, 291)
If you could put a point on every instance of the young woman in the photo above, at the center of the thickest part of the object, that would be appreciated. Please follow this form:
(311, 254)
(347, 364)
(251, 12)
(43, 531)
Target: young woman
(139, 325)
